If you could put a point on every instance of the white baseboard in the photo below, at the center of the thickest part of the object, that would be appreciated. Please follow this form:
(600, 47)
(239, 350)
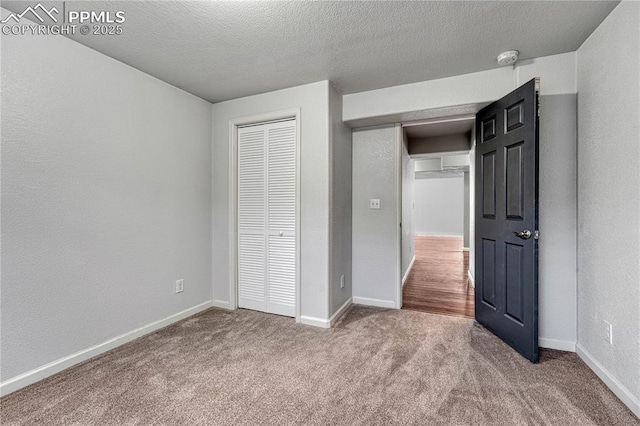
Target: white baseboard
(314, 321)
(406, 274)
(471, 280)
(54, 367)
(340, 312)
(612, 383)
(222, 304)
(374, 302)
(560, 345)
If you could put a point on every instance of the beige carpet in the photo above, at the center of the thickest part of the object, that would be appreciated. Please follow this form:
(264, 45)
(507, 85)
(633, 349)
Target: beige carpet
(377, 367)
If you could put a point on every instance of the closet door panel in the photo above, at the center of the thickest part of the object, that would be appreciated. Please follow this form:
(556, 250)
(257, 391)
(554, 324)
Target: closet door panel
(282, 177)
(282, 275)
(281, 243)
(252, 230)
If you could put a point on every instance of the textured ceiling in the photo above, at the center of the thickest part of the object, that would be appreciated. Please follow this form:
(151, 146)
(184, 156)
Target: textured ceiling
(224, 50)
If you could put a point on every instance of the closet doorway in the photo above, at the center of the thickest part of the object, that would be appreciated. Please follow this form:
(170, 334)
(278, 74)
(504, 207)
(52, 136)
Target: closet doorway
(266, 216)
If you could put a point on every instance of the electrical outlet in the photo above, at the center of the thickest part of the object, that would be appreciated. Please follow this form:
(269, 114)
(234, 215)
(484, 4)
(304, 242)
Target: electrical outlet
(374, 203)
(179, 286)
(341, 281)
(608, 332)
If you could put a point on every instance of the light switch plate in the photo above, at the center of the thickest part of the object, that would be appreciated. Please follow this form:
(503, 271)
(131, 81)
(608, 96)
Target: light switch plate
(374, 203)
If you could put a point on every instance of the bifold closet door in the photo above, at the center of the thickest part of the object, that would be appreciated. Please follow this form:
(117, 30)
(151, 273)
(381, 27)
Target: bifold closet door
(267, 217)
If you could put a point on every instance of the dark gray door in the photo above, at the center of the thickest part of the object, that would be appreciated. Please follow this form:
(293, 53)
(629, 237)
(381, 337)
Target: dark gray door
(506, 217)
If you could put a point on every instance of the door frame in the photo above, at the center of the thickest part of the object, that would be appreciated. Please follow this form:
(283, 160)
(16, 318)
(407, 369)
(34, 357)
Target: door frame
(234, 124)
(398, 174)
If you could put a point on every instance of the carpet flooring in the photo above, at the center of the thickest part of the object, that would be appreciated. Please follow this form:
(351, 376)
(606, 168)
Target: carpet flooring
(376, 367)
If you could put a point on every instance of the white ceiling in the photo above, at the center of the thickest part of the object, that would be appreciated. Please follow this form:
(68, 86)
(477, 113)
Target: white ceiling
(224, 50)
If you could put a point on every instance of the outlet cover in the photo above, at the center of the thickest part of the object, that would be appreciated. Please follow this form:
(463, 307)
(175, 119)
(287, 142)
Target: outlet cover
(179, 286)
(341, 281)
(374, 203)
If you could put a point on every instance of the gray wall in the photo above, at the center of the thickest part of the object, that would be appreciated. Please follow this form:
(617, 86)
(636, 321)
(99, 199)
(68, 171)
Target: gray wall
(557, 202)
(106, 200)
(340, 176)
(608, 195)
(313, 102)
(375, 236)
(439, 205)
(557, 218)
(408, 182)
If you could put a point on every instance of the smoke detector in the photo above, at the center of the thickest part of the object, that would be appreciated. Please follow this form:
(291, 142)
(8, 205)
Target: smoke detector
(507, 58)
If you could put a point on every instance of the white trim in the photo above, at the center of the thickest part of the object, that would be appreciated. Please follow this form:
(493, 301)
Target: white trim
(54, 367)
(316, 322)
(222, 304)
(374, 302)
(560, 345)
(398, 218)
(406, 274)
(340, 312)
(233, 191)
(466, 249)
(470, 275)
(609, 379)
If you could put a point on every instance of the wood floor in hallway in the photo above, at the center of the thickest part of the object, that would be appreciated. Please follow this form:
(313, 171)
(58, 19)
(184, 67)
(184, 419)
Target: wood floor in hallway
(438, 282)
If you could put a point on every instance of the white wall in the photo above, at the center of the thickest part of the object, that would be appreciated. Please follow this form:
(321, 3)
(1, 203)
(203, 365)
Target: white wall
(472, 208)
(313, 102)
(106, 201)
(439, 206)
(557, 280)
(375, 232)
(340, 178)
(408, 181)
(466, 210)
(609, 200)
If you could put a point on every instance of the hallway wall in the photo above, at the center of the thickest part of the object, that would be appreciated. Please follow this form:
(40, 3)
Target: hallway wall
(375, 232)
(439, 206)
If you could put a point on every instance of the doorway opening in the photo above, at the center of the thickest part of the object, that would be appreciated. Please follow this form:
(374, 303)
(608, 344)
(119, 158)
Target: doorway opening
(437, 230)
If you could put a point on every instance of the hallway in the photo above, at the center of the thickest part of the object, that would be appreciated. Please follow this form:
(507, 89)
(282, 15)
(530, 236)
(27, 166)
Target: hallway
(438, 282)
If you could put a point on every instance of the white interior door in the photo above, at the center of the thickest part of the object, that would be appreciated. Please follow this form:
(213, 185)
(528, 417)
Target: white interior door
(267, 217)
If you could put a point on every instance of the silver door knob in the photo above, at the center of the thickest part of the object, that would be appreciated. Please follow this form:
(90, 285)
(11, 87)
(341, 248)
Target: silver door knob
(525, 235)
(281, 233)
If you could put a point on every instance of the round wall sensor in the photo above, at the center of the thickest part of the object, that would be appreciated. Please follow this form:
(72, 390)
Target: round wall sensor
(509, 57)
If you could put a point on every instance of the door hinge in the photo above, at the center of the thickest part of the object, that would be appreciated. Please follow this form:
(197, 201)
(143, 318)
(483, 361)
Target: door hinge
(536, 235)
